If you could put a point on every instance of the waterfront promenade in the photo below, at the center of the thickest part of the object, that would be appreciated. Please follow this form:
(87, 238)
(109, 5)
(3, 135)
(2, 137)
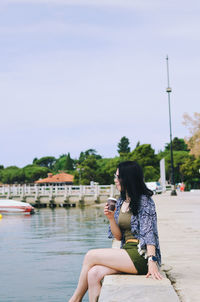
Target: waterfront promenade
(179, 231)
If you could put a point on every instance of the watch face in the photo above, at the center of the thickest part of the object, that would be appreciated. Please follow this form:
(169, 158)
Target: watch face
(154, 258)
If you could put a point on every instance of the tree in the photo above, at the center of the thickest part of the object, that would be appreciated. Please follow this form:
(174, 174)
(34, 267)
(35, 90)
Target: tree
(11, 175)
(106, 169)
(144, 155)
(60, 163)
(86, 171)
(138, 144)
(190, 170)
(69, 163)
(193, 141)
(34, 172)
(123, 145)
(47, 161)
(86, 154)
(147, 159)
(28, 174)
(150, 173)
(180, 157)
(35, 160)
(178, 144)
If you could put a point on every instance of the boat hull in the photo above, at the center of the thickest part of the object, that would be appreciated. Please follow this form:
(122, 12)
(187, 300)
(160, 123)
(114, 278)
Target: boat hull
(13, 206)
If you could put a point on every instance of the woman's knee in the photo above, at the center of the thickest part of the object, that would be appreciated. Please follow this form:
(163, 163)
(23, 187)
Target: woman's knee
(95, 275)
(89, 257)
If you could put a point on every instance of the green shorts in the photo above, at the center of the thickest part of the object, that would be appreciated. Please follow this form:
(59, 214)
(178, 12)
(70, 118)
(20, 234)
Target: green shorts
(139, 261)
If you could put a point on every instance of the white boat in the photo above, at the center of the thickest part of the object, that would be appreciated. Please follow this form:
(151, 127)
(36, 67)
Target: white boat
(14, 206)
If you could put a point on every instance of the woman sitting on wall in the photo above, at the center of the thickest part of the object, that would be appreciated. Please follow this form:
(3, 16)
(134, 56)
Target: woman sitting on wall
(134, 222)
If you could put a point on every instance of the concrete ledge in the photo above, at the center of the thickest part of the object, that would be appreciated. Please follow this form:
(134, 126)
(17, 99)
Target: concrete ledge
(118, 288)
(124, 287)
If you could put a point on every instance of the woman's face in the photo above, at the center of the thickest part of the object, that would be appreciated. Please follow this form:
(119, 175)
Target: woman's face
(117, 182)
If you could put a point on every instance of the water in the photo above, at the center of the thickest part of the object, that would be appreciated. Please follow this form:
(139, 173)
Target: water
(41, 254)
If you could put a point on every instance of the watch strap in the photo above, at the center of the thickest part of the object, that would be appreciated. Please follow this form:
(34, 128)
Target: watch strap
(152, 258)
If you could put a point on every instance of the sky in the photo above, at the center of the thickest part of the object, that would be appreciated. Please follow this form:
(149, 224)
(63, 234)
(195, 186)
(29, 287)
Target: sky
(80, 74)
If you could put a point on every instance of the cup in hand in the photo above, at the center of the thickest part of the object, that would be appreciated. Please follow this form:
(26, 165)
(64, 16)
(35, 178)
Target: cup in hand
(111, 204)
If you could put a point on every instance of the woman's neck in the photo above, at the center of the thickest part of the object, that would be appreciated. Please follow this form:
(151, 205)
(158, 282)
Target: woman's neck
(127, 198)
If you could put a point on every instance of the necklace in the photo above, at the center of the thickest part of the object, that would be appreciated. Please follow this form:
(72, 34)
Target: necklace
(125, 207)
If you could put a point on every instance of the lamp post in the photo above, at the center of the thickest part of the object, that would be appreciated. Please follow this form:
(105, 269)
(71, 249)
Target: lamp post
(169, 90)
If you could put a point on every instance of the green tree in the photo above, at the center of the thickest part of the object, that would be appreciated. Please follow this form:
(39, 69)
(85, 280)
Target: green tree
(28, 174)
(34, 172)
(123, 145)
(47, 161)
(69, 163)
(144, 155)
(86, 171)
(106, 169)
(179, 159)
(84, 155)
(150, 173)
(147, 159)
(190, 170)
(60, 163)
(64, 163)
(138, 144)
(35, 160)
(178, 144)
(11, 175)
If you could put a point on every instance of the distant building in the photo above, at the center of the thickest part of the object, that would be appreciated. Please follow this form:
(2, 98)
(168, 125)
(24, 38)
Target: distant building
(58, 179)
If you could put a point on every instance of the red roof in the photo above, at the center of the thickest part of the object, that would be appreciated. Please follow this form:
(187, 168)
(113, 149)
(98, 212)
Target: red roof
(61, 177)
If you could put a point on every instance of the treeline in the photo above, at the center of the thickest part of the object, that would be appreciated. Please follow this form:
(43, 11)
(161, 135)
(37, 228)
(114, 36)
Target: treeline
(91, 166)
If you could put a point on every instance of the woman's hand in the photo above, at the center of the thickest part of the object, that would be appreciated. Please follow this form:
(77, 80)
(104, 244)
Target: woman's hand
(113, 225)
(153, 271)
(108, 214)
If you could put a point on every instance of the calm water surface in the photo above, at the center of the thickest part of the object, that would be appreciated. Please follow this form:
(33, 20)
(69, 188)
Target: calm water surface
(41, 254)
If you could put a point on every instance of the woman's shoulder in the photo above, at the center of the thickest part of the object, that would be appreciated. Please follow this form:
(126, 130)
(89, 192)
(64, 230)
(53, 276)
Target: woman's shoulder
(146, 199)
(147, 203)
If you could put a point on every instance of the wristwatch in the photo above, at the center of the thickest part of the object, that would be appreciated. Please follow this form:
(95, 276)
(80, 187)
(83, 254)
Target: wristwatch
(152, 258)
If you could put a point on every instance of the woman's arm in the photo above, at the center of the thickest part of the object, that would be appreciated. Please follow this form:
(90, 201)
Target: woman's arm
(113, 225)
(148, 232)
(152, 265)
(151, 251)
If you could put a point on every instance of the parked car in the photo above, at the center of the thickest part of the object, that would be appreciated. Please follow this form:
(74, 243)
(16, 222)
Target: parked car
(154, 186)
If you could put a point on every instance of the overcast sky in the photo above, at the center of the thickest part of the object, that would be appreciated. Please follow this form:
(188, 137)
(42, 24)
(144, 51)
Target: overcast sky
(76, 74)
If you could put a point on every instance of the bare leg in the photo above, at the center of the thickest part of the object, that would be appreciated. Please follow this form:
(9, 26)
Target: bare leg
(117, 259)
(95, 275)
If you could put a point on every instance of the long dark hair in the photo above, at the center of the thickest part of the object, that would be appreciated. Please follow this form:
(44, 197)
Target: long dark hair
(132, 182)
